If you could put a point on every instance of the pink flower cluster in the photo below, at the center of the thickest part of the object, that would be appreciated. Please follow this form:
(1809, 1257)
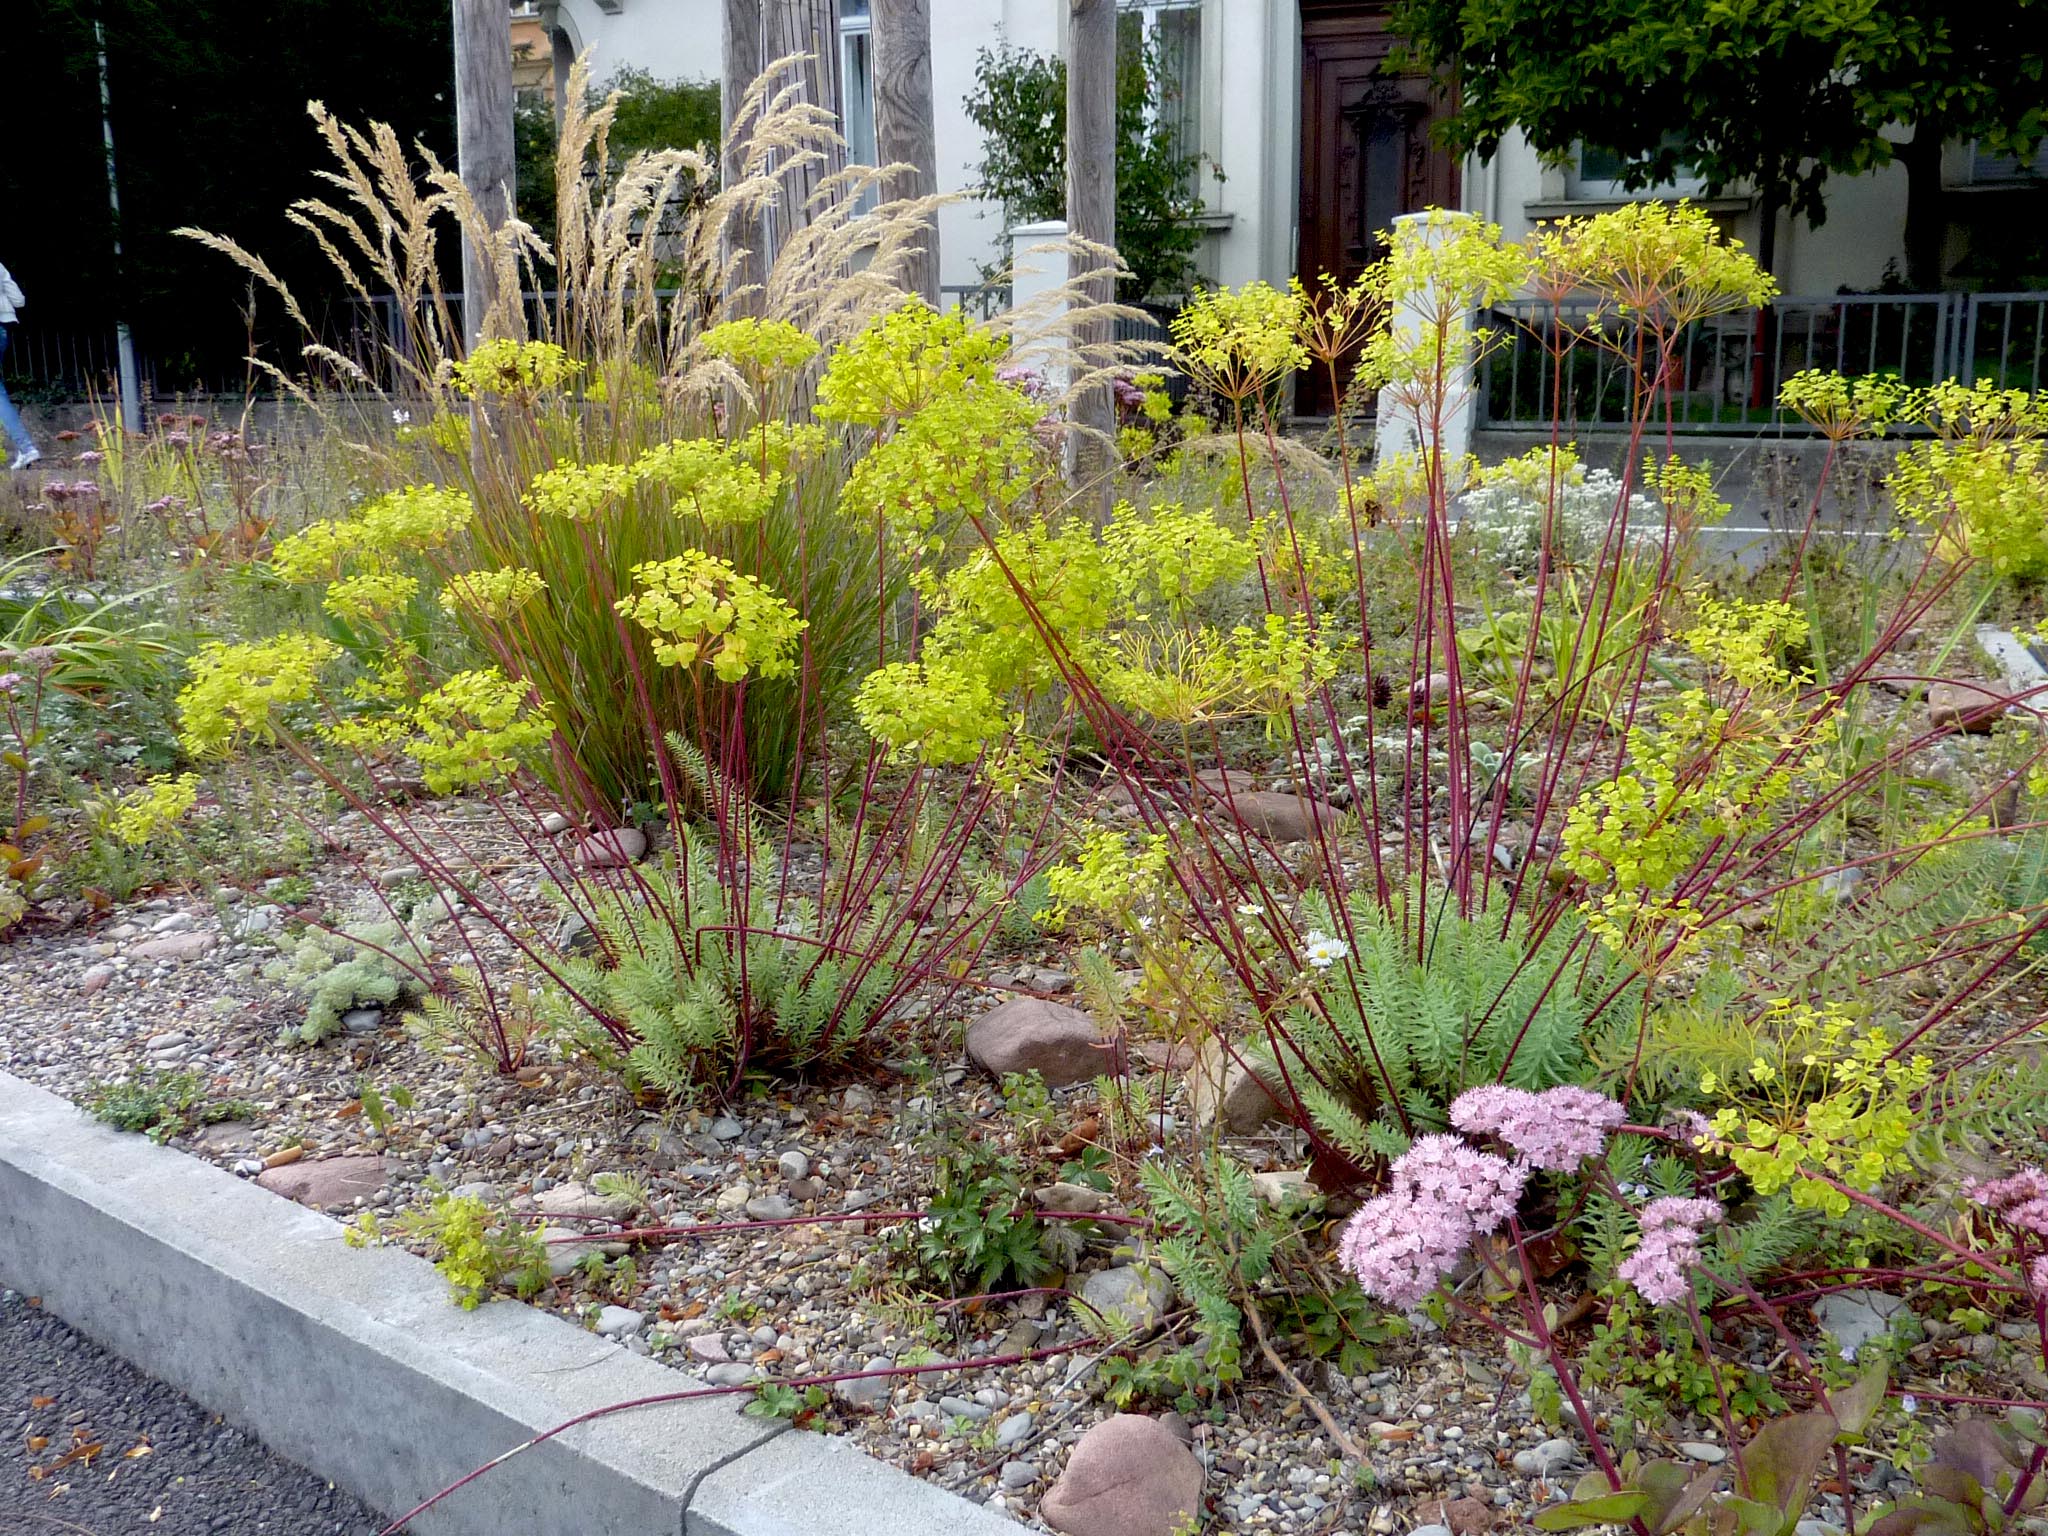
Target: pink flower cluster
(2019, 1200)
(1661, 1267)
(1402, 1244)
(1555, 1130)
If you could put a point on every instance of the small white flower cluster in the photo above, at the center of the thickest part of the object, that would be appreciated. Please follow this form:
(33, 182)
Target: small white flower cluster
(1508, 521)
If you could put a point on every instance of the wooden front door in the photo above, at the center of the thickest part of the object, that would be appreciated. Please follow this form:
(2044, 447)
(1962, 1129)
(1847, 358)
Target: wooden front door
(1367, 151)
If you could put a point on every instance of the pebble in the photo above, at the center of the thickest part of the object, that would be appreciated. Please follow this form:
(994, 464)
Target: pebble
(733, 1375)
(1544, 1459)
(1703, 1450)
(794, 1165)
(868, 1390)
(616, 1322)
(1019, 1474)
(96, 980)
(363, 1021)
(725, 1128)
(961, 1408)
(1014, 1431)
(770, 1208)
(177, 922)
(709, 1348)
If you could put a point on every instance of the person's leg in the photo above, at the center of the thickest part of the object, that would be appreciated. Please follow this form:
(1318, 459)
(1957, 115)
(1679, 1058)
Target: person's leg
(10, 418)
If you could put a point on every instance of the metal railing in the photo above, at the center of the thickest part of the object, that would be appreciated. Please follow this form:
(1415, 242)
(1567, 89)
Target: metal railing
(1727, 370)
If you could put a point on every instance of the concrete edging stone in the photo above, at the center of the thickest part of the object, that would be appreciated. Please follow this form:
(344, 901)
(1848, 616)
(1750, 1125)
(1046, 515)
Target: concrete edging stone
(352, 1362)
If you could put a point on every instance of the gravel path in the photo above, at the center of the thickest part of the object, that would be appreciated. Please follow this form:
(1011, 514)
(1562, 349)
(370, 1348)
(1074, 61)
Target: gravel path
(164, 1465)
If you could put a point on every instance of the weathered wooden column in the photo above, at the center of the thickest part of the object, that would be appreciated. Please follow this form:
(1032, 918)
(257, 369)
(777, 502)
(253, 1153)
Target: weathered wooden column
(905, 130)
(1091, 216)
(484, 154)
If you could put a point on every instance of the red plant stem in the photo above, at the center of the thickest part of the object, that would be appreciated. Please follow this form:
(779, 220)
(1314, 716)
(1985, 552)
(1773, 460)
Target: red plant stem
(983, 1362)
(825, 1218)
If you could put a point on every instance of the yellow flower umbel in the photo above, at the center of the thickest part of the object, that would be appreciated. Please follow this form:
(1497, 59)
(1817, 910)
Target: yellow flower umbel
(1107, 876)
(157, 807)
(718, 485)
(579, 492)
(698, 608)
(1981, 484)
(476, 728)
(521, 370)
(1239, 341)
(903, 362)
(769, 346)
(235, 691)
(1828, 1103)
(492, 594)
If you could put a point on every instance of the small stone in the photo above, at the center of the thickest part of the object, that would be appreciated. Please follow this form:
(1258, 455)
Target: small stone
(806, 1189)
(867, 1391)
(770, 1208)
(1179, 1425)
(327, 1181)
(857, 1100)
(617, 1322)
(1019, 1474)
(1014, 1430)
(1470, 1516)
(178, 947)
(725, 1128)
(95, 981)
(613, 848)
(363, 1021)
(1071, 1199)
(1703, 1450)
(1137, 1293)
(708, 1348)
(1028, 1034)
(177, 922)
(1275, 817)
(554, 824)
(258, 920)
(573, 1202)
(1965, 705)
(1283, 1188)
(1853, 1318)
(396, 874)
(1546, 1459)
(1127, 1476)
(564, 1256)
(1226, 1090)
(793, 1165)
(735, 1196)
(733, 1375)
(1431, 1530)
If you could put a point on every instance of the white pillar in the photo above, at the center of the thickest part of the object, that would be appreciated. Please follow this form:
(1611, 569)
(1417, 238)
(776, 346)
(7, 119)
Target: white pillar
(1401, 426)
(1038, 270)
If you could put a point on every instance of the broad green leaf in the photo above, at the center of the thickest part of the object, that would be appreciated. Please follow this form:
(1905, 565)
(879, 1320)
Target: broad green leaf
(1608, 1509)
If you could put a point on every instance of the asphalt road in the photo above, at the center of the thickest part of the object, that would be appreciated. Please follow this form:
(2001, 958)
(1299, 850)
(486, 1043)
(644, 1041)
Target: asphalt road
(89, 1446)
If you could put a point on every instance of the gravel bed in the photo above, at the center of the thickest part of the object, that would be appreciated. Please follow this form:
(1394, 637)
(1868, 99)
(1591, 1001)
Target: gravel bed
(90, 1444)
(1447, 1440)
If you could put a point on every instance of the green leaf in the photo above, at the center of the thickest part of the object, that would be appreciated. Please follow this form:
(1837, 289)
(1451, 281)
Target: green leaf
(1608, 1509)
(1856, 1405)
(1779, 1464)
(1675, 1494)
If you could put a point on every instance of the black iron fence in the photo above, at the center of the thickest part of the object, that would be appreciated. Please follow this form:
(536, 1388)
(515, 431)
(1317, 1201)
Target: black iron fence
(1729, 368)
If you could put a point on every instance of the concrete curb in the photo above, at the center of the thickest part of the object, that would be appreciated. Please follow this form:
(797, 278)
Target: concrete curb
(352, 1363)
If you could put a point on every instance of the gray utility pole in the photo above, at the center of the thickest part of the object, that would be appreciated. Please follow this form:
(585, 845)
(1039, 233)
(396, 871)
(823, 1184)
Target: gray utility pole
(904, 128)
(483, 150)
(124, 341)
(1091, 213)
(746, 237)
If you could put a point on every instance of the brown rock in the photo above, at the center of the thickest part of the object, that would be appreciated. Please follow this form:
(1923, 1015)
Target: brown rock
(177, 946)
(1220, 1088)
(1276, 817)
(612, 848)
(1070, 1199)
(1128, 1476)
(1965, 705)
(1167, 1055)
(1029, 1034)
(1469, 1516)
(327, 1181)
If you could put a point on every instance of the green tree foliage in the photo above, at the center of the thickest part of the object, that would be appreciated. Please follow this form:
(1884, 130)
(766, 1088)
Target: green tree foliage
(1782, 94)
(210, 127)
(1019, 102)
(653, 114)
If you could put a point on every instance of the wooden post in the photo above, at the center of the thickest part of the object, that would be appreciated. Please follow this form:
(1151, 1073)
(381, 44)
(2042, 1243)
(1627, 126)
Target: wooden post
(483, 149)
(746, 237)
(1091, 215)
(904, 128)
(808, 27)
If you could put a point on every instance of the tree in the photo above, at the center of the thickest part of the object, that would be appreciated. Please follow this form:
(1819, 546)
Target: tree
(1782, 94)
(905, 132)
(1019, 103)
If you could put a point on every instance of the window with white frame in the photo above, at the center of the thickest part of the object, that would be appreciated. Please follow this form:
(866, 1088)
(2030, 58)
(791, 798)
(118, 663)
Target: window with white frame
(857, 80)
(1170, 31)
(1597, 174)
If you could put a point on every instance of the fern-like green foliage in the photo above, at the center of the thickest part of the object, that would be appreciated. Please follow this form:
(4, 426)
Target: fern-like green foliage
(709, 979)
(1414, 1023)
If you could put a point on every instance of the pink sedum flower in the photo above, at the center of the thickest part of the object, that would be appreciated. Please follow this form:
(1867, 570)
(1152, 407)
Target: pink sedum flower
(1555, 1130)
(1402, 1245)
(2019, 1200)
(1661, 1267)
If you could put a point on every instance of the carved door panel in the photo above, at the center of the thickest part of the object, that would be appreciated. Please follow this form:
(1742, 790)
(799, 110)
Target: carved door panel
(1367, 152)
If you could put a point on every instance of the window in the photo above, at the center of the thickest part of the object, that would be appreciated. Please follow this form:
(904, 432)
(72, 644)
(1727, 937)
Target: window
(1991, 170)
(1170, 33)
(857, 81)
(1596, 174)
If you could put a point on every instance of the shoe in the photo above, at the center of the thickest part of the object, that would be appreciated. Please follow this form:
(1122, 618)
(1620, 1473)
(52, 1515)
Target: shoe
(26, 457)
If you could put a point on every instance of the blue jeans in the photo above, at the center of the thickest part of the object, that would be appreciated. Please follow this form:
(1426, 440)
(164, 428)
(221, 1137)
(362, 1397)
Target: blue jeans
(10, 418)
